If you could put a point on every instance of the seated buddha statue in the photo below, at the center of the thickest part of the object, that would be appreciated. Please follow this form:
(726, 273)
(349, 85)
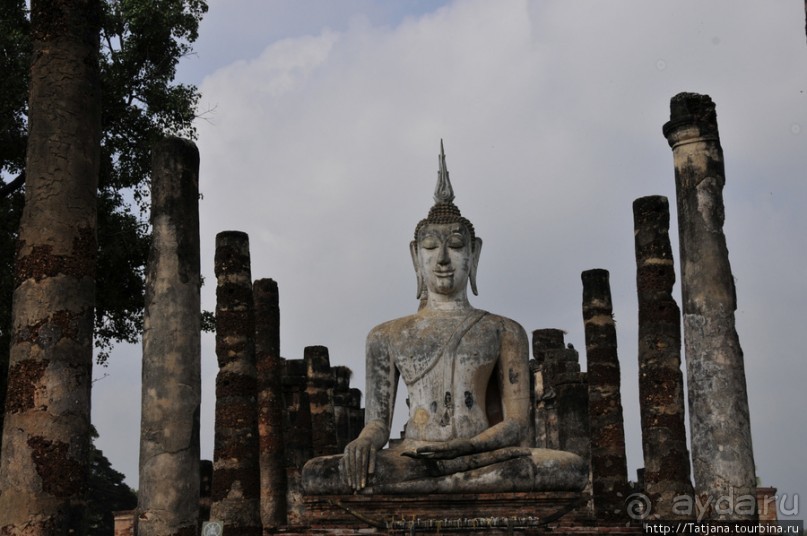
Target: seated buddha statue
(467, 378)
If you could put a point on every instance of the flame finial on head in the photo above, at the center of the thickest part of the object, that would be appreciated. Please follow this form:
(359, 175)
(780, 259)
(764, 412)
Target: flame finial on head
(444, 209)
(443, 192)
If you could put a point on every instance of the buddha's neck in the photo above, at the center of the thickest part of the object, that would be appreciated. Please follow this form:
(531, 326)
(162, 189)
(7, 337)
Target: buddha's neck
(441, 303)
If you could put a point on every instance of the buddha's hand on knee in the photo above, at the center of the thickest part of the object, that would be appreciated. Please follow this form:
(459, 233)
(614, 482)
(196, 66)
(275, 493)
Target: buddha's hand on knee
(357, 463)
(443, 450)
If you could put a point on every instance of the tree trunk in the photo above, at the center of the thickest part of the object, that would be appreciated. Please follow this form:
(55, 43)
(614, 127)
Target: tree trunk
(44, 464)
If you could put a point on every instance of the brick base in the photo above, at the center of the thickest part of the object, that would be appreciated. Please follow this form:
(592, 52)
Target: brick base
(492, 513)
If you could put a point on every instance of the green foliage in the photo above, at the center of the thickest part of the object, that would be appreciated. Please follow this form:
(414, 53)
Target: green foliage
(107, 493)
(15, 56)
(208, 321)
(142, 42)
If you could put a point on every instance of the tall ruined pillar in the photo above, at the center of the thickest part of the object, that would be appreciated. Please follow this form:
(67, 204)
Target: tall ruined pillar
(608, 462)
(44, 466)
(235, 495)
(168, 498)
(270, 403)
(722, 454)
(320, 394)
(661, 384)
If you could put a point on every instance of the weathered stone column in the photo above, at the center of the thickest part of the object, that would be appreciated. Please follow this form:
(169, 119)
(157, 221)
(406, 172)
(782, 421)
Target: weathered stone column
(205, 488)
(270, 403)
(320, 395)
(168, 498)
(355, 414)
(661, 384)
(297, 434)
(608, 463)
(562, 375)
(722, 454)
(545, 415)
(236, 473)
(565, 393)
(46, 430)
(341, 406)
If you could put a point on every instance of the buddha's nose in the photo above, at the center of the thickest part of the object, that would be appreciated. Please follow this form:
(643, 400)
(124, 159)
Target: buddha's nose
(443, 258)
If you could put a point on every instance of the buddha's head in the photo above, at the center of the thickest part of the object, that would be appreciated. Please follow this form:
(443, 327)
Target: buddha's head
(445, 250)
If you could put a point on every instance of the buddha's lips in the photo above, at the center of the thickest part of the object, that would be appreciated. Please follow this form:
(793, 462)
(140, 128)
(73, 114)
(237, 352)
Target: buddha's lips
(444, 274)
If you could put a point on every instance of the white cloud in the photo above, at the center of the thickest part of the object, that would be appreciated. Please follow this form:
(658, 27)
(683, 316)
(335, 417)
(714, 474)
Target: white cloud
(323, 148)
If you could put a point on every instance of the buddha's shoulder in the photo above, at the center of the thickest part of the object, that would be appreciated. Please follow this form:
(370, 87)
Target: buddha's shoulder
(494, 321)
(392, 327)
(413, 323)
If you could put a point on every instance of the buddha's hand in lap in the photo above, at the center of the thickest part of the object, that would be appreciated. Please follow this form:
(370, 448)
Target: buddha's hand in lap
(442, 450)
(357, 463)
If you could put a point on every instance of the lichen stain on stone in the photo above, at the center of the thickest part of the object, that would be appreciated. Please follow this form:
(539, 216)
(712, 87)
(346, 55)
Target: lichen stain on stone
(41, 263)
(512, 375)
(23, 379)
(62, 476)
(421, 416)
(49, 331)
(600, 320)
(46, 526)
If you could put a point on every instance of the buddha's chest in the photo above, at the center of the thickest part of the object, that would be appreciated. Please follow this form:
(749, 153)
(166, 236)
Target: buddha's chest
(436, 358)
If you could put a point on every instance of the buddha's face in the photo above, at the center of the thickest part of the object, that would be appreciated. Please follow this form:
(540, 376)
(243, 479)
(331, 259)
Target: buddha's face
(444, 257)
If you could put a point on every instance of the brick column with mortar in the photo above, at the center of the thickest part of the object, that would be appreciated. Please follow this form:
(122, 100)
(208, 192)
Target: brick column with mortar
(235, 497)
(661, 383)
(608, 461)
(270, 403)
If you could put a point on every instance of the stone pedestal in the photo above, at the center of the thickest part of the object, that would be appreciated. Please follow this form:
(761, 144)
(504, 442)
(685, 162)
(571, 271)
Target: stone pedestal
(488, 513)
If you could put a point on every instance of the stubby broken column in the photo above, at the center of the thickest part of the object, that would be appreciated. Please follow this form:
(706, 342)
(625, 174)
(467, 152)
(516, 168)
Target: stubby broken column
(343, 403)
(297, 434)
(270, 403)
(722, 454)
(320, 388)
(235, 495)
(608, 462)
(562, 409)
(168, 498)
(661, 384)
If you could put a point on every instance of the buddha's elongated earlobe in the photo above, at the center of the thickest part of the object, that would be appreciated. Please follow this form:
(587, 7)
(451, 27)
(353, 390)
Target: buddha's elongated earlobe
(474, 264)
(413, 250)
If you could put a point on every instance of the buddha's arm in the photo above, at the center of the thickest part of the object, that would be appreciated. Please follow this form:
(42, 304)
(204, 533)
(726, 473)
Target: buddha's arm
(514, 384)
(382, 383)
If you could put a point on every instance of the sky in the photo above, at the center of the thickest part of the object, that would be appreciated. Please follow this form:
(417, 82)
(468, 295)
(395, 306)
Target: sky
(320, 125)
